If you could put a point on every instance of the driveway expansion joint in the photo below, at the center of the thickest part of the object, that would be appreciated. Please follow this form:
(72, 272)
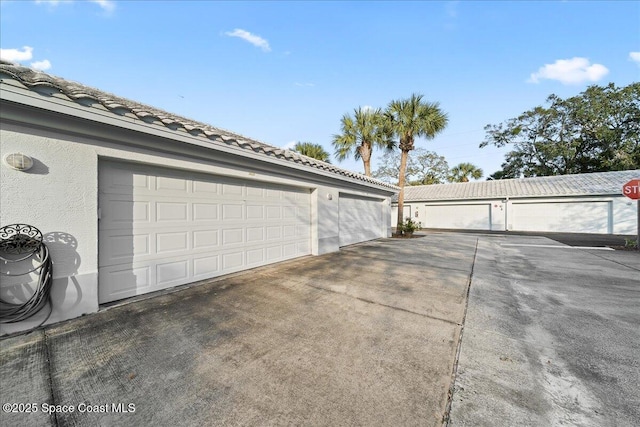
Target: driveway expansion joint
(447, 412)
(614, 261)
(45, 341)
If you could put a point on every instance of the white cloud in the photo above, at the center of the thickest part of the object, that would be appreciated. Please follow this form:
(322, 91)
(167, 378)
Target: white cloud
(635, 57)
(251, 38)
(289, 145)
(52, 2)
(368, 108)
(106, 5)
(17, 55)
(41, 65)
(22, 55)
(452, 9)
(570, 71)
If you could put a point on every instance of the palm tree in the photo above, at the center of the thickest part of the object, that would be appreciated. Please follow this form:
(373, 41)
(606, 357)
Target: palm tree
(464, 171)
(408, 119)
(315, 151)
(360, 134)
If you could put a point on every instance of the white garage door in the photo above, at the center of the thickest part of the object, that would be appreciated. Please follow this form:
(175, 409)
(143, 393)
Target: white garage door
(360, 219)
(466, 216)
(576, 217)
(160, 228)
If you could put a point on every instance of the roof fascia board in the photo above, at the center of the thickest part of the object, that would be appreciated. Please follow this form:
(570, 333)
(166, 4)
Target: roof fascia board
(25, 98)
(543, 196)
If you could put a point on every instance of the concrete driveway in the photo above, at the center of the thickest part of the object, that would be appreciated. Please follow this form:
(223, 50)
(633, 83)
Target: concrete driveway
(552, 337)
(366, 336)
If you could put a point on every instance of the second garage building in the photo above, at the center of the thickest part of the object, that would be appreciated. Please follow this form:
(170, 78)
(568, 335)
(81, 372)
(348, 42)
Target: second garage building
(584, 203)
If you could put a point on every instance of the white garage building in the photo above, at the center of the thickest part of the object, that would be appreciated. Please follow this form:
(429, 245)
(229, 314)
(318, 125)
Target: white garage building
(132, 199)
(585, 203)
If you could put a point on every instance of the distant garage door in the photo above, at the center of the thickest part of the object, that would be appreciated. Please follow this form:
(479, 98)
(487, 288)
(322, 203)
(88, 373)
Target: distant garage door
(576, 217)
(406, 213)
(360, 219)
(160, 227)
(463, 216)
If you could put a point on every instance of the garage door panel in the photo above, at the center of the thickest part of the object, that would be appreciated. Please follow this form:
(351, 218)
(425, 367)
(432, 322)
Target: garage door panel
(172, 272)
(205, 188)
(232, 260)
(302, 231)
(172, 242)
(289, 250)
(206, 239)
(206, 211)
(274, 253)
(303, 248)
(171, 186)
(461, 216)
(120, 211)
(232, 190)
(274, 232)
(255, 192)
(255, 256)
(162, 228)
(255, 212)
(206, 266)
(125, 247)
(126, 281)
(289, 212)
(360, 219)
(255, 234)
(125, 181)
(272, 194)
(232, 212)
(289, 231)
(171, 211)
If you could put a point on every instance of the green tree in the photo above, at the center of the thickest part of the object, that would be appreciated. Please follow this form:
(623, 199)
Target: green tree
(464, 171)
(407, 119)
(360, 134)
(595, 131)
(423, 168)
(315, 151)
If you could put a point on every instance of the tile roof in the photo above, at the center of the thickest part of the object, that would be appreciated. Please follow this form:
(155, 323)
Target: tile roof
(38, 81)
(587, 184)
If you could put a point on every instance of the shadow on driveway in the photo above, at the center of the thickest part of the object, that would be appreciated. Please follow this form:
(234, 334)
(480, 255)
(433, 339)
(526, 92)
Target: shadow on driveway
(366, 336)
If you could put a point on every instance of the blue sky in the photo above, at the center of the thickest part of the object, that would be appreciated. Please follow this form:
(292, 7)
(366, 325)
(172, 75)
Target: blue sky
(282, 72)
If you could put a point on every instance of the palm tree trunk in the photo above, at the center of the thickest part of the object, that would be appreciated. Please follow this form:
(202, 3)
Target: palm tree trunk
(365, 153)
(401, 179)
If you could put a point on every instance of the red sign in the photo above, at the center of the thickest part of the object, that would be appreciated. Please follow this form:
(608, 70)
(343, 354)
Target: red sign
(632, 189)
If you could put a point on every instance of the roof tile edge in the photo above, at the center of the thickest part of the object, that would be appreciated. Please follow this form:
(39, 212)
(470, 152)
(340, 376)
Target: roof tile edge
(77, 92)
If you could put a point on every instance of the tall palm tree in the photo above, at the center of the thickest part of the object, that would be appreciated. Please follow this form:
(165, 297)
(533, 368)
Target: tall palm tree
(360, 134)
(407, 119)
(315, 151)
(464, 171)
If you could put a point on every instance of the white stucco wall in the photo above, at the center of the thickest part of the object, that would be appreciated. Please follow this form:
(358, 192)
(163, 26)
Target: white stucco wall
(60, 195)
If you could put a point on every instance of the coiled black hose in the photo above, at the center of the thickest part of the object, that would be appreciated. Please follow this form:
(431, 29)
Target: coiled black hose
(20, 243)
